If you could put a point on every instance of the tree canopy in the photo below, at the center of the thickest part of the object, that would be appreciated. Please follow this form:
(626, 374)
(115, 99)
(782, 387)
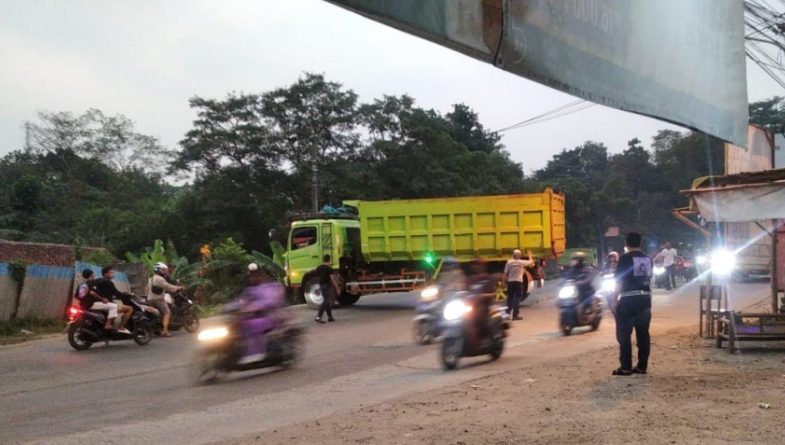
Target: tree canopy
(246, 163)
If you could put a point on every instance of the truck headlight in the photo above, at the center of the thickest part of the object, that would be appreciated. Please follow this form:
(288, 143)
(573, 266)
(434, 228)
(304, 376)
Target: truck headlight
(455, 310)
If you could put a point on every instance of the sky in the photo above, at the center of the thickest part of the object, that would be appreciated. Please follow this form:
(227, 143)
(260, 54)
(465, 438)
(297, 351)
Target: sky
(144, 59)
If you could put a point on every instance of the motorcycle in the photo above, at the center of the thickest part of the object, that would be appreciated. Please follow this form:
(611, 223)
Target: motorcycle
(661, 277)
(689, 270)
(458, 322)
(86, 326)
(425, 325)
(574, 313)
(183, 314)
(221, 345)
(607, 291)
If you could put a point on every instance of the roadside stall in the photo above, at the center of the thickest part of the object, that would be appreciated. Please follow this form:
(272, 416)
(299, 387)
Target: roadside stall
(757, 197)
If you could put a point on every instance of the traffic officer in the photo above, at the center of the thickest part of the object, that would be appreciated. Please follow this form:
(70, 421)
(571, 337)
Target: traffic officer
(633, 306)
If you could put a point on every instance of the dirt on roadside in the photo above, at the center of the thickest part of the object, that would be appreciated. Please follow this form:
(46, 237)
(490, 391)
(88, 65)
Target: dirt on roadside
(694, 394)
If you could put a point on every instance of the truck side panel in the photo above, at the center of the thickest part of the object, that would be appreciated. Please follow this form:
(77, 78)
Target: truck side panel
(491, 226)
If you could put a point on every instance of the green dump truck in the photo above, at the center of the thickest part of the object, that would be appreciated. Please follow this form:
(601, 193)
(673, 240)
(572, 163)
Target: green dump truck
(392, 246)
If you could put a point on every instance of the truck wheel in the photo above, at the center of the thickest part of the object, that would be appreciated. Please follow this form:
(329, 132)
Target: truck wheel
(312, 293)
(347, 299)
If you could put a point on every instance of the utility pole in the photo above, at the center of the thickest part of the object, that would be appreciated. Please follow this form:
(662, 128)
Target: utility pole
(315, 179)
(27, 136)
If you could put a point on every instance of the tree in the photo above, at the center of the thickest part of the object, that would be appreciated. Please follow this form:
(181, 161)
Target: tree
(466, 128)
(311, 120)
(769, 114)
(94, 135)
(89, 176)
(227, 132)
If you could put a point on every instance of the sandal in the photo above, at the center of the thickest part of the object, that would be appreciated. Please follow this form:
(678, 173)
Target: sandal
(620, 371)
(165, 334)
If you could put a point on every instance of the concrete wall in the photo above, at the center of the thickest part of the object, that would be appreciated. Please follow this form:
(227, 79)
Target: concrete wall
(7, 293)
(45, 292)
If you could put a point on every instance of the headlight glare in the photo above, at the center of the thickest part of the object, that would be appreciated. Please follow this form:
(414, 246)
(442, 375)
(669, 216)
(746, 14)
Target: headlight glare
(455, 310)
(567, 292)
(723, 262)
(212, 334)
(429, 293)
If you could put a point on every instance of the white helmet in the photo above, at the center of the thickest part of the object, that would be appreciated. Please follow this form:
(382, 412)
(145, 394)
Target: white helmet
(160, 267)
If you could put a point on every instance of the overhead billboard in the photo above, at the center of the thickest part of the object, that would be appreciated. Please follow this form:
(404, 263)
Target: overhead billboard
(679, 61)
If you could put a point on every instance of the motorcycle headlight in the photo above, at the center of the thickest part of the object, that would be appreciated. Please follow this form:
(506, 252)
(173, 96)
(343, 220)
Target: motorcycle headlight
(429, 294)
(659, 270)
(609, 284)
(455, 310)
(723, 262)
(213, 334)
(567, 292)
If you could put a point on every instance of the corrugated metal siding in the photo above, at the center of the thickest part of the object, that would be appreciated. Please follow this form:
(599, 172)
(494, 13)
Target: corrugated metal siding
(120, 279)
(45, 292)
(7, 293)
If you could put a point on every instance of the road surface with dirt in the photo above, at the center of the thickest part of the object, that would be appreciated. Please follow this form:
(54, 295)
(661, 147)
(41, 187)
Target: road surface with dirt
(362, 380)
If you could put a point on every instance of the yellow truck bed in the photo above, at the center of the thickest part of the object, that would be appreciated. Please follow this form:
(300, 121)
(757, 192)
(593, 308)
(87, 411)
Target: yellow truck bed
(488, 226)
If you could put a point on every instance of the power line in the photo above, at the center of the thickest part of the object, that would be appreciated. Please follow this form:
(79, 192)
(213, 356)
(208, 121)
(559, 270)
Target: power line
(538, 117)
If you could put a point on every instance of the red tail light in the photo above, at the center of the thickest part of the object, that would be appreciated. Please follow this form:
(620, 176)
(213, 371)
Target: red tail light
(73, 312)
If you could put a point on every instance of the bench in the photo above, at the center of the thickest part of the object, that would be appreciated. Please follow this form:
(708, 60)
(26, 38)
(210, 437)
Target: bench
(738, 326)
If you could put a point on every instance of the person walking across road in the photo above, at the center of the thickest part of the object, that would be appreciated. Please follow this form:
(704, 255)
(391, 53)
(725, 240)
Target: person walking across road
(633, 306)
(515, 279)
(329, 288)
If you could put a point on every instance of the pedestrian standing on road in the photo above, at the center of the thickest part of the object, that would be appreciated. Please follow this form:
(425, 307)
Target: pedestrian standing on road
(329, 287)
(633, 306)
(514, 278)
(668, 256)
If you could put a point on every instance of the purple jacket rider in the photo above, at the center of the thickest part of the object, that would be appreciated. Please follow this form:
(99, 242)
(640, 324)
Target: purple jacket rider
(265, 297)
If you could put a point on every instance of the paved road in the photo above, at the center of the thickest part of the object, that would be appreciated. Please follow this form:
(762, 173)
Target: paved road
(124, 393)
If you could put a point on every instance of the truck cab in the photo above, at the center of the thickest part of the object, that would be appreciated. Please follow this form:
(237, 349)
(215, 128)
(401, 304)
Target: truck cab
(310, 239)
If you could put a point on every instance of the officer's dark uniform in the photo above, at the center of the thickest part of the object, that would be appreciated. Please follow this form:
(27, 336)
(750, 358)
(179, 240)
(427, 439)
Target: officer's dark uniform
(633, 309)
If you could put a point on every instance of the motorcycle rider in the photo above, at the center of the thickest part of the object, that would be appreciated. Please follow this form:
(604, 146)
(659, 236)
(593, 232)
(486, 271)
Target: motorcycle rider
(611, 263)
(258, 304)
(483, 289)
(157, 288)
(89, 299)
(106, 291)
(451, 278)
(582, 274)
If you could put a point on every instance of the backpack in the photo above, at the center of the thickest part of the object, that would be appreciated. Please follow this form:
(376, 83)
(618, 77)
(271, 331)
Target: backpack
(154, 288)
(81, 291)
